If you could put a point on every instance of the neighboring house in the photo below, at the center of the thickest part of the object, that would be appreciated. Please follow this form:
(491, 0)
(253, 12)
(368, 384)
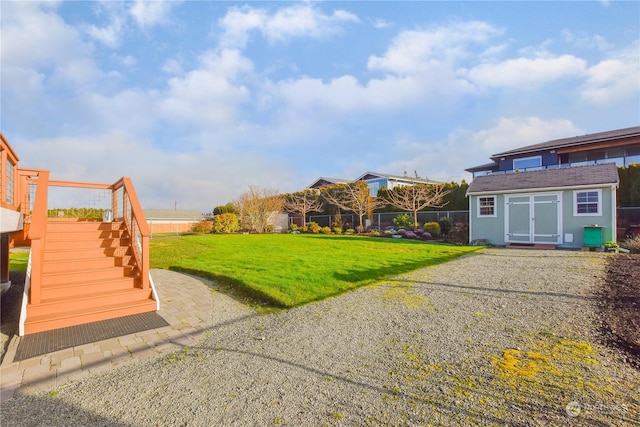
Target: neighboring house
(374, 180)
(323, 182)
(548, 193)
(171, 221)
(621, 146)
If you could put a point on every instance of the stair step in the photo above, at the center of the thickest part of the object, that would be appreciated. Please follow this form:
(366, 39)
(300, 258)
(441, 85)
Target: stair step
(86, 287)
(59, 306)
(75, 253)
(56, 278)
(81, 316)
(62, 244)
(86, 253)
(75, 265)
(55, 226)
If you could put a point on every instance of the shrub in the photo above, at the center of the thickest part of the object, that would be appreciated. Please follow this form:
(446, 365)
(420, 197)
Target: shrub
(387, 233)
(337, 230)
(313, 227)
(293, 227)
(633, 244)
(419, 231)
(404, 221)
(410, 235)
(226, 223)
(459, 233)
(432, 228)
(445, 225)
(402, 232)
(349, 231)
(325, 230)
(375, 233)
(425, 236)
(201, 227)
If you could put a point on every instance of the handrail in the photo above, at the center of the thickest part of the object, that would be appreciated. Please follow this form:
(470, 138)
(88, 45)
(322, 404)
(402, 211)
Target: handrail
(37, 233)
(135, 206)
(94, 185)
(136, 224)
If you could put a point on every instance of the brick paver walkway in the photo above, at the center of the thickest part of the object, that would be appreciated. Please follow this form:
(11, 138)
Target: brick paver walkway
(186, 303)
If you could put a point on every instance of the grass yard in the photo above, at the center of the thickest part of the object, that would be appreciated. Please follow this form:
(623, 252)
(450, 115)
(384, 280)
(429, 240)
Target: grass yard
(18, 261)
(284, 270)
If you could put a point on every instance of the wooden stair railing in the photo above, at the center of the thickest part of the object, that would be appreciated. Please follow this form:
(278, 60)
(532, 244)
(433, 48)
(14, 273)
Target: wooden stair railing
(82, 271)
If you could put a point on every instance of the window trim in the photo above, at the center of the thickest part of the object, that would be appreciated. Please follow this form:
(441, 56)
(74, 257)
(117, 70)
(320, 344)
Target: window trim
(495, 207)
(539, 158)
(598, 191)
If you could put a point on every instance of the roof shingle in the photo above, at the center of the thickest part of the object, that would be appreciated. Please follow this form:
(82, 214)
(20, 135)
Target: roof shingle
(601, 174)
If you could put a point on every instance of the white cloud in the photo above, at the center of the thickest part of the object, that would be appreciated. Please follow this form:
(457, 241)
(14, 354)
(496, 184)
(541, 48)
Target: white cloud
(111, 34)
(586, 41)
(381, 24)
(208, 95)
(301, 20)
(446, 160)
(34, 36)
(200, 180)
(415, 52)
(522, 72)
(150, 13)
(510, 133)
(614, 78)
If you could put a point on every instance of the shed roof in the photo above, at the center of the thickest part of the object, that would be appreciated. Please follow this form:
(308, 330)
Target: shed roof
(601, 174)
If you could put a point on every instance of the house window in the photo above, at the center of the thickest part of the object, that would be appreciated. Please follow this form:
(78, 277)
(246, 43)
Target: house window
(9, 172)
(487, 206)
(527, 163)
(374, 187)
(588, 202)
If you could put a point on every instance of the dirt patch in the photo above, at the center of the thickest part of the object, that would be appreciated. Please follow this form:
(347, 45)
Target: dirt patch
(620, 305)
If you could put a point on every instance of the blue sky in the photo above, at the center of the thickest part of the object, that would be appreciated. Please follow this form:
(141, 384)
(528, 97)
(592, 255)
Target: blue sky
(197, 100)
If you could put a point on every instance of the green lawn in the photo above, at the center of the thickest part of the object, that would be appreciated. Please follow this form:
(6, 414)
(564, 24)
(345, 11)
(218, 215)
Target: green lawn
(18, 261)
(285, 270)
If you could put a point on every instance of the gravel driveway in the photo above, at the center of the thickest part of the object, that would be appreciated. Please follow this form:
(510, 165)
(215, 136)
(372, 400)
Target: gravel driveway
(500, 337)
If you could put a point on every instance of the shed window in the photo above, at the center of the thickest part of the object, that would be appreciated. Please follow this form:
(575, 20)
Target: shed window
(588, 202)
(487, 206)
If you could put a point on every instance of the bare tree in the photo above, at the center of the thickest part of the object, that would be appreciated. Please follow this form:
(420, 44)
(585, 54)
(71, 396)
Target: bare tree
(352, 197)
(302, 202)
(258, 207)
(414, 198)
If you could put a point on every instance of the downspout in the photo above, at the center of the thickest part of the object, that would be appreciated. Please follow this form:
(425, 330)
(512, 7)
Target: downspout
(614, 212)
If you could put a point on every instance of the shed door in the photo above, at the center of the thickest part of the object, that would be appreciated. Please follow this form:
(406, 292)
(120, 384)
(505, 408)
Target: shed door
(533, 218)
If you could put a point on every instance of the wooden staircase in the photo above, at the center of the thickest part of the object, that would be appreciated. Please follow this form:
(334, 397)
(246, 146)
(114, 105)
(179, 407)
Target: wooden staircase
(88, 274)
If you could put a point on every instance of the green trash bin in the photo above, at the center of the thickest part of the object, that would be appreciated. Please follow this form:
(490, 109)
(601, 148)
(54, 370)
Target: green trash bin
(593, 236)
